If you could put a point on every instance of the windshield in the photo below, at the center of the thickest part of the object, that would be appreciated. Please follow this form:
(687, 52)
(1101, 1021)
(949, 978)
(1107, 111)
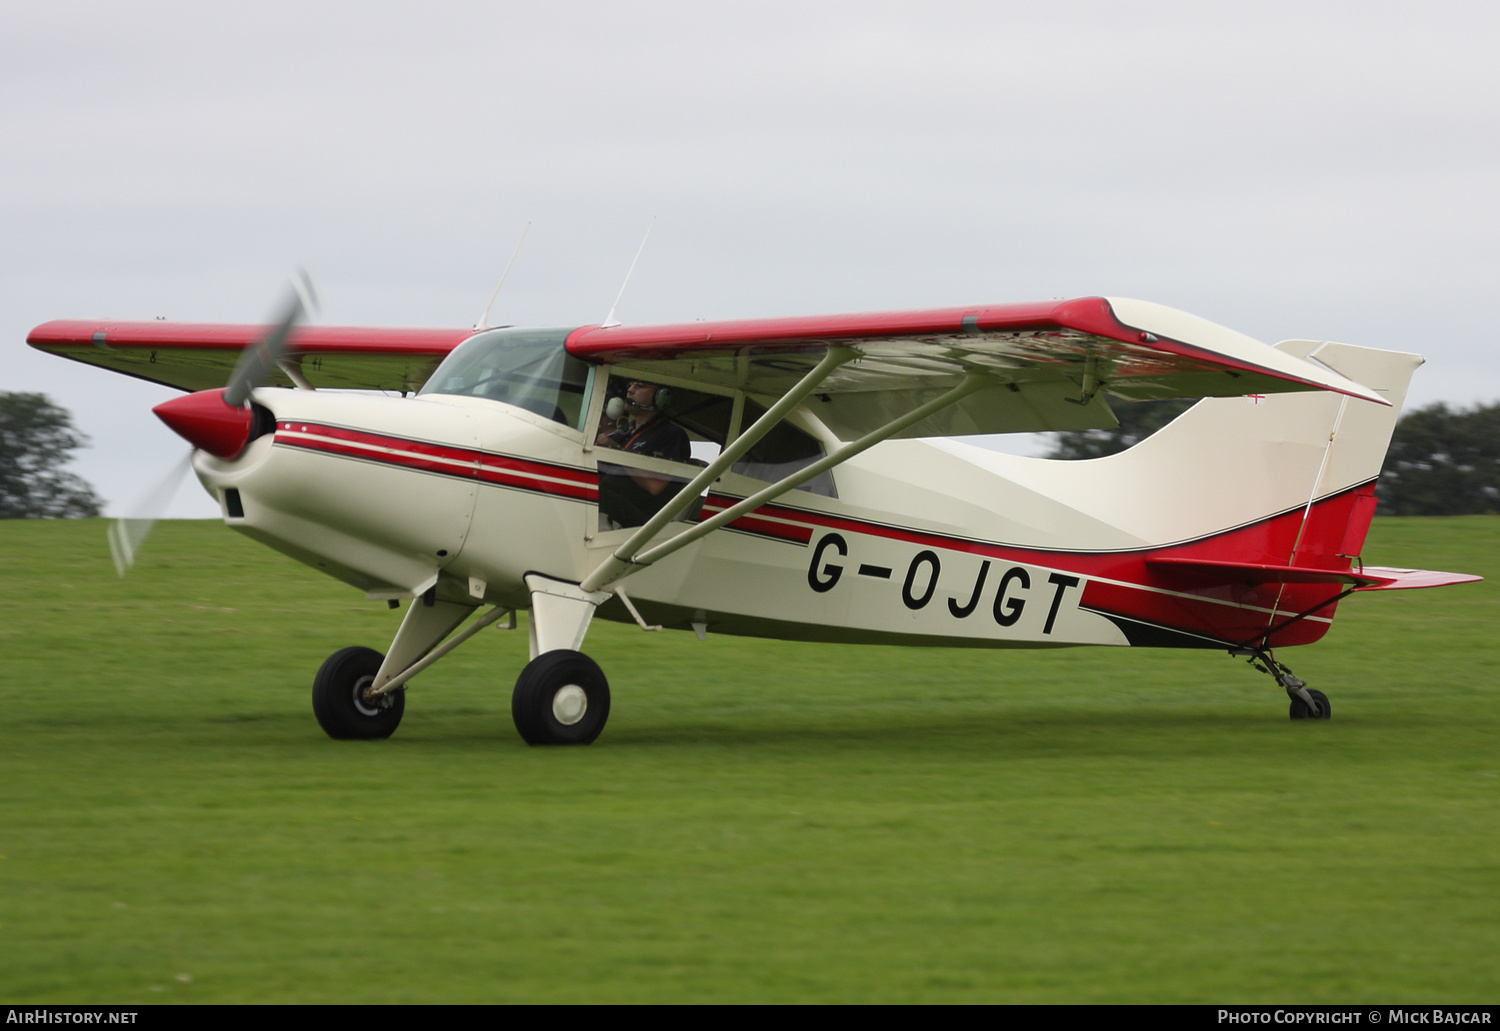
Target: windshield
(528, 368)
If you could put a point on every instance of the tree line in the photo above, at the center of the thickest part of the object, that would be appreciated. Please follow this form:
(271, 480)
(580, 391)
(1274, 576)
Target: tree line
(37, 439)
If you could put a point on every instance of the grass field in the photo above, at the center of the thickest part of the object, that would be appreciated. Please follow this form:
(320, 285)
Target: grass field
(759, 822)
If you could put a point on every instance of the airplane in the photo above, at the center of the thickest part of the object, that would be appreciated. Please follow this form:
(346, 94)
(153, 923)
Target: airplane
(787, 478)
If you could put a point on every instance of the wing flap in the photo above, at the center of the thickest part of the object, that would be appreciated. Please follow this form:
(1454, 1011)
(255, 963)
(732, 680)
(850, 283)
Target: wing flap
(201, 356)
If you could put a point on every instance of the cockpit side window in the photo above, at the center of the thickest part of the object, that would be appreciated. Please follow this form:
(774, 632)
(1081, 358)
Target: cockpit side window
(528, 368)
(659, 419)
(654, 421)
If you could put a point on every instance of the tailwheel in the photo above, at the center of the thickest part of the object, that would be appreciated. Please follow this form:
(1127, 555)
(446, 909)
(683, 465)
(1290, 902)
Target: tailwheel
(1301, 710)
(1307, 704)
(342, 704)
(561, 698)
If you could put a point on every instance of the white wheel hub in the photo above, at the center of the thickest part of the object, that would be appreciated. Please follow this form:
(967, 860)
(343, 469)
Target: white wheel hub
(362, 705)
(569, 704)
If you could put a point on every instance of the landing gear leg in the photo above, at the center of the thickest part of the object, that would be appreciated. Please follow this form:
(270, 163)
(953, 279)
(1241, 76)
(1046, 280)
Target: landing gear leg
(561, 697)
(1307, 704)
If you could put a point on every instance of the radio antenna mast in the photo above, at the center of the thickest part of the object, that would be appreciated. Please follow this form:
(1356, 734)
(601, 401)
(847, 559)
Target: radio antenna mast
(610, 319)
(483, 322)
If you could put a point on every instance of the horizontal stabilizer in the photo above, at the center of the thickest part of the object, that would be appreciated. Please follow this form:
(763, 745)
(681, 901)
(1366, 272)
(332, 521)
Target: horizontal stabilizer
(1410, 579)
(1368, 578)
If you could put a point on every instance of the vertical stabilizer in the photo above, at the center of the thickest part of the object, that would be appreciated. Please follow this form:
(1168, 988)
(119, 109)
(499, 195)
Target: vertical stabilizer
(1231, 462)
(1334, 531)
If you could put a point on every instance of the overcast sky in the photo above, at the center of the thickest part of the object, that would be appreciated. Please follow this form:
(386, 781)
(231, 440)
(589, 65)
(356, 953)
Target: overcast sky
(1325, 171)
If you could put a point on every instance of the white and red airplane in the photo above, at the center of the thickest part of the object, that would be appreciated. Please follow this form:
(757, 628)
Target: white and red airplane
(785, 478)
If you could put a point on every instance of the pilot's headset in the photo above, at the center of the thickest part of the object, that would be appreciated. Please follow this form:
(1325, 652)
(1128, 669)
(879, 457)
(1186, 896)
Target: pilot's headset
(615, 407)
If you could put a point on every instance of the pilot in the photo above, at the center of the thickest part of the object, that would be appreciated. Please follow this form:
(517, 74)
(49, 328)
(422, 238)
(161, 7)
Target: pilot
(642, 426)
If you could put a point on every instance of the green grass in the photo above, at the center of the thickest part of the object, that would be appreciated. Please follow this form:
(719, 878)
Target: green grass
(760, 821)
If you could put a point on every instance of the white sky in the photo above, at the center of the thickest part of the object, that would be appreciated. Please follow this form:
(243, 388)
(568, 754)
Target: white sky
(1288, 169)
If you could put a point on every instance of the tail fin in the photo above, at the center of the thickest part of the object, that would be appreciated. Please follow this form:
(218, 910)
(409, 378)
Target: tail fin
(1356, 451)
(1246, 513)
(1270, 497)
(1228, 463)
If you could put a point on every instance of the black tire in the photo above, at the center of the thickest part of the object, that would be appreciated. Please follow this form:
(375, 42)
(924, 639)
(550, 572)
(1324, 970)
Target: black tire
(337, 701)
(561, 698)
(1300, 711)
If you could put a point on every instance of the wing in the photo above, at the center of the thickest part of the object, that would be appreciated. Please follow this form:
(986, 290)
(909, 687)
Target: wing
(201, 356)
(1052, 364)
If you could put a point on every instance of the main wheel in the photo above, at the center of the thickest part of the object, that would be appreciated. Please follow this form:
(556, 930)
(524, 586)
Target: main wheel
(339, 700)
(1300, 711)
(561, 698)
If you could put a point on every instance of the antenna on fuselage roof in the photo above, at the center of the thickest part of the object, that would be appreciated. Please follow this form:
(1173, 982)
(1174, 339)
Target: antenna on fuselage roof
(610, 320)
(484, 320)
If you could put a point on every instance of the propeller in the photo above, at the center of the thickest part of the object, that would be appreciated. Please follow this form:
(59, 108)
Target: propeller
(218, 421)
(128, 533)
(258, 361)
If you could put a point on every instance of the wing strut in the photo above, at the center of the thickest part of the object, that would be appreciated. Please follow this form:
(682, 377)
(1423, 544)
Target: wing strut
(621, 562)
(618, 564)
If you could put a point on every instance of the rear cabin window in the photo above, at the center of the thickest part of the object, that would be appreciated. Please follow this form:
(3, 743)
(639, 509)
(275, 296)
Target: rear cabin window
(528, 368)
(782, 452)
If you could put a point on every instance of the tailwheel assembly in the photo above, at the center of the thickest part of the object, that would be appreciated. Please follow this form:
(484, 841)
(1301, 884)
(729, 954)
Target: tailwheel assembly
(1307, 704)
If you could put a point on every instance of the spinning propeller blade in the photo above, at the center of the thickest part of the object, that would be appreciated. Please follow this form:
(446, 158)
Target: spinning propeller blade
(128, 534)
(260, 358)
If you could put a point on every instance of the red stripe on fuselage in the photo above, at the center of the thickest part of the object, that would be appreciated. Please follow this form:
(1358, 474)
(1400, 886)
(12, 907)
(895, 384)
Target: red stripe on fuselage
(444, 459)
(766, 521)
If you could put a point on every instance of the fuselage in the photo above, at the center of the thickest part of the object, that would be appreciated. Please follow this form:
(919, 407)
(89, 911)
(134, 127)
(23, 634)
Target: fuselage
(913, 541)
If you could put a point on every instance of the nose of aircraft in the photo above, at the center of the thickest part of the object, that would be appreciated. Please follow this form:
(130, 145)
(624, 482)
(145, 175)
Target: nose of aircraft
(205, 421)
